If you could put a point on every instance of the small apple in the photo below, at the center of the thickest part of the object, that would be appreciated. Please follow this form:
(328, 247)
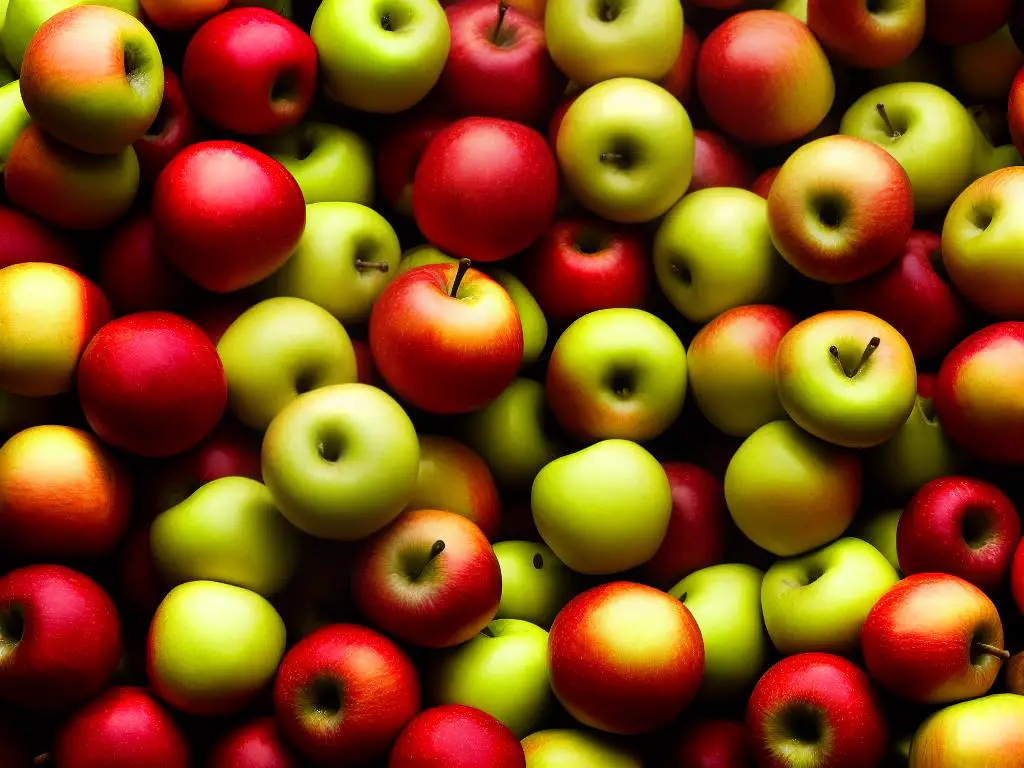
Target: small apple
(399, 152)
(711, 743)
(880, 532)
(563, 747)
(256, 744)
(174, 128)
(180, 15)
(717, 163)
(979, 732)
(24, 239)
(865, 36)
(531, 317)
(984, 70)
(457, 736)
(331, 164)
(535, 584)
(679, 79)
(134, 274)
(959, 22)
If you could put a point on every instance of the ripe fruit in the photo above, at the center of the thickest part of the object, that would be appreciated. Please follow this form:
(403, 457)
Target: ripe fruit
(456, 736)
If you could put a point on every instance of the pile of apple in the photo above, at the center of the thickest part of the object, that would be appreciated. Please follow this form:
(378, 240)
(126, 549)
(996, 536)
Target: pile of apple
(409, 384)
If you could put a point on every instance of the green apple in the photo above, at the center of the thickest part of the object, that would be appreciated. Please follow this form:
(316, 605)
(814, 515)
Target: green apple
(567, 748)
(282, 7)
(14, 119)
(988, 158)
(880, 532)
(535, 325)
(981, 732)
(725, 600)
(380, 59)
(625, 148)
(229, 530)
(213, 647)
(604, 509)
(503, 671)
(421, 256)
(279, 349)
(346, 258)
(795, 8)
(331, 164)
(819, 602)
(534, 583)
(341, 462)
(7, 75)
(926, 129)
(713, 252)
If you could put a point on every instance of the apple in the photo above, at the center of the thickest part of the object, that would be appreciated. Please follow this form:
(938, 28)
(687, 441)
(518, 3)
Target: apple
(789, 492)
(399, 152)
(366, 371)
(18, 412)
(979, 732)
(1014, 677)
(179, 15)
(456, 736)
(984, 70)
(679, 79)
(535, 585)
(762, 185)
(134, 274)
(173, 129)
(865, 36)
(421, 256)
(23, 239)
(1017, 576)
(215, 313)
(717, 163)
(331, 164)
(625, 149)
(711, 743)
(531, 317)
(959, 22)
(988, 158)
(256, 744)
(565, 747)
(880, 533)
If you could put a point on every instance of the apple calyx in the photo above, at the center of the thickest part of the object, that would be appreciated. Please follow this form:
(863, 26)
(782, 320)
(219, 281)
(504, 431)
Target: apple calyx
(12, 629)
(381, 266)
(614, 158)
(991, 650)
(893, 133)
(869, 350)
(386, 24)
(538, 561)
(464, 265)
(502, 10)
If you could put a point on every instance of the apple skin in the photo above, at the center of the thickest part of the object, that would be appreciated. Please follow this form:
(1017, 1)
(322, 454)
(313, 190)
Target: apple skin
(961, 526)
(343, 693)
(880, 533)
(331, 164)
(762, 185)
(135, 276)
(816, 707)
(985, 70)
(717, 163)
(456, 736)
(399, 152)
(61, 495)
(227, 215)
(256, 744)
(178, 15)
(531, 317)
(122, 728)
(864, 38)
(1017, 576)
(920, 639)
(711, 743)
(979, 732)
(21, 19)
(564, 748)
(61, 638)
(151, 384)
(535, 585)
(23, 239)
(959, 22)
(679, 79)
(1015, 115)
(174, 128)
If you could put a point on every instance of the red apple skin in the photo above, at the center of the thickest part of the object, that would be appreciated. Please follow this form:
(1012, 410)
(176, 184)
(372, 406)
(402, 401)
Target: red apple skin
(697, 529)
(556, 119)
(23, 239)
(911, 296)
(152, 384)
(959, 22)
(930, 535)
(455, 596)
(217, 315)
(711, 743)
(377, 684)
(174, 129)
(71, 642)
(917, 640)
(513, 78)
(679, 79)
(583, 264)
(399, 152)
(858, 37)
(257, 744)
(617, 684)
(456, 736)
(181, 14)
(830, 687)
(142, 585)
(717, 163)
(366, 369)
(226, 215)
(445, 354)
(135, 275)
(485, 188)
(123, 728)
(763, 184)
(1017, 576)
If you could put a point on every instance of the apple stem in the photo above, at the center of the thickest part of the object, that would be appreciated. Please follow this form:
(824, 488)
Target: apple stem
(992, 650)
(436, 549)
(385, 23)
(893, 133)
(502, 10)
(464, 265)
(380, 266)
(869, 350)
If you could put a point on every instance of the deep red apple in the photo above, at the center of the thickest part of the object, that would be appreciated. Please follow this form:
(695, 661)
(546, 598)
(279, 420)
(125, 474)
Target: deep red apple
(174, 129)
(24, 239)
(556, 119)
(257, 744)
(366, 369)
(711, 743)
(456, 736)
(399, 152)
(135, 275)
(1017, 576)
(763, 184)
(679, 79)
(959, 22)
(717, 163)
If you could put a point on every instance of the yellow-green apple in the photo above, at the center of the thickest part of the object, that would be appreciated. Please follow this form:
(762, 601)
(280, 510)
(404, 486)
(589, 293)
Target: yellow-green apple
(959, 22)
(503, 671)
(341, 461)
(934, 638)
(764, 78)
(725, 601)
(790, 492)
(454, 734)
(535, 584)
(254, 741)
(731, 367)
(984, 70)
(430, 579)
(847, 377)
(421, 256)
(880, 532)
(13, 119)
(179, 15)
(344, 261)
(399, 151)
(679, 79)
(93, 78)
(7, 75)
(446, 338)
(816, 709)
(278, 350)
(591, 42)
(840, 209)
(818, 602)
(229, 531)
(795, 8)
(717, 163)
(988, 158)
(962, 526)
(48, 315)
(902, 118)
(454, 478)
(985, 732)
(331, 164)
(710, 742)
(385, 61)
(531, 317)
(565, 747)
(604, 509)
(617, 373)
(713, 251)
(867, 36)
(212, 648)
(625, 148)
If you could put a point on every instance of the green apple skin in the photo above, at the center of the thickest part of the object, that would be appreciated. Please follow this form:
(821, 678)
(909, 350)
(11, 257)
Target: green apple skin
(880, 533)
(282, 7)
(725, 600)
(341, 462)
(981, 732)
(14, 119)
(503, 671)
(604, 509)
(535, 325)
(7, 75)
(213, 647)
(380, 58)
(931, 124)
(789, 492)
(819, 602)
(713, 252)
(625, 148)
(330, 164)
(795, 8)
(535, 584)
(421, 256)
(346, 258)
(987, 158)
(279, 349)
(229, 531)
(574, 748)
(591, 42)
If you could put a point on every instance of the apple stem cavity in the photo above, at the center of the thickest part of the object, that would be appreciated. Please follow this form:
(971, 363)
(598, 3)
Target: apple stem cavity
(487, 632)
(992, 650)
(436, 549)
(893, 133)
(502, 10)
(538, 561)
(464, 265)
(613, 158)
(869, 350)
(363, 265)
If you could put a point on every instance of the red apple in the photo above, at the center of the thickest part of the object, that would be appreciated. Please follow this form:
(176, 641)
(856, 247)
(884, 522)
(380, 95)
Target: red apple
(1017, 576)
(446, 338)
(227, 215)
(625, 658)
(485, 188)
(60, 638)
(174, 129)
(717, 163)
(181, 14)
(135, 275)
(556, 119)
(959, 22)
(256, 744)
(456, 736)
(152, 384)
(867, 36)
(430, 578)
(399, 152)
(343, 693)
(23, 239)
(816, 709)
(711, 743)
(763, 184)
(679, 79)
(366, 370)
